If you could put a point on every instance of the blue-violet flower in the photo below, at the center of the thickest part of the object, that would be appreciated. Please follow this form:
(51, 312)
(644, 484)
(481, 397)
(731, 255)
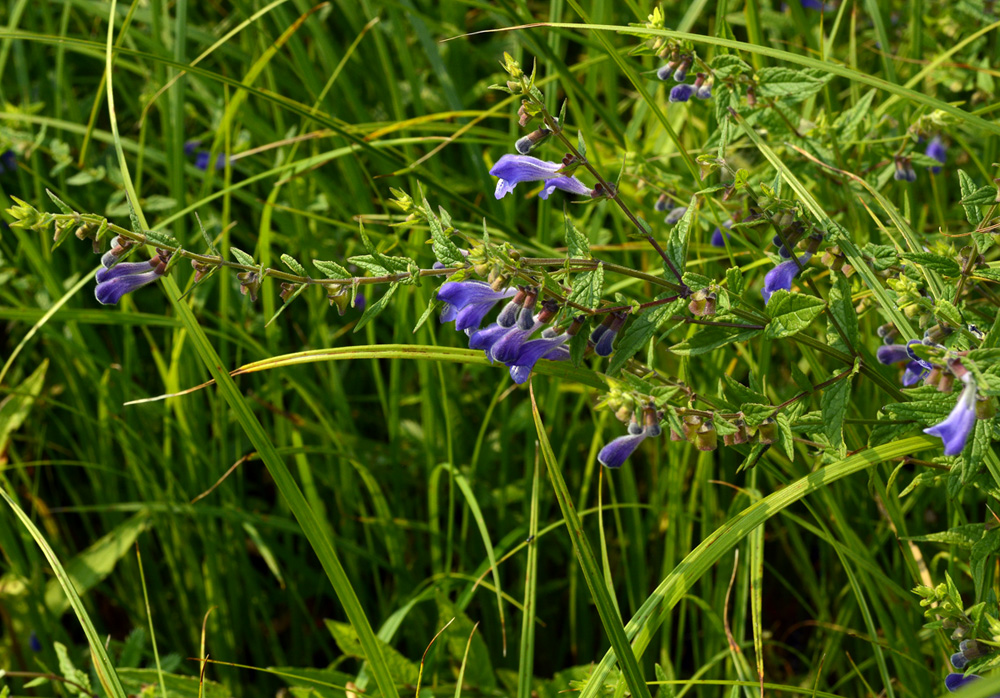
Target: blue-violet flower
(954, 430)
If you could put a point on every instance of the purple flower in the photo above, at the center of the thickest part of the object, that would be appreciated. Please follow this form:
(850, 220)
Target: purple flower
(936, 149)
(553, 350)
(958, 660)
(704, 92)
(617, 451)
(124, 278)
(507, 347)
(892, 354)
(953, 682)
(485, 338)
(33, 642)
(681, 93)
(781, 276)
(914, 373)
(570, 184)
(904, 170)
(8, 161)
(514, 169)
(717, 239)
(201, 160)
(469, 302)
(818, 5)
(954, 430)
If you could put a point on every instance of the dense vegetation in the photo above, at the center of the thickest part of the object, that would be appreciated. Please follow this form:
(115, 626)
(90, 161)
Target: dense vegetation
(753, 411)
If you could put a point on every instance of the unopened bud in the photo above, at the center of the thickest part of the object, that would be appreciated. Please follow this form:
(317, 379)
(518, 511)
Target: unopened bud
(527, 143)
(549, 310)
(526, 316)
(605, 343)
(508, 316)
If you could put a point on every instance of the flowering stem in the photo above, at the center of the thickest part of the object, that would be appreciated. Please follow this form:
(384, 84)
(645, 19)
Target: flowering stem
(606, 188)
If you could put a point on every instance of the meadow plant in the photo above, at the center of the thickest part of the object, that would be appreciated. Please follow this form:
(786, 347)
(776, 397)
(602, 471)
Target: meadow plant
(773, 279)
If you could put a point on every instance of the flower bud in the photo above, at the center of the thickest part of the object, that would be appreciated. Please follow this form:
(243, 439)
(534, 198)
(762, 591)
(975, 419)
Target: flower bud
(527, 143)
(751, 95)
(680, 75)
(605, 343)
(904, 170)
(663, 204)
(526, 316)
(664, 71)
(549, 310)
(508, 316)
(200, 269)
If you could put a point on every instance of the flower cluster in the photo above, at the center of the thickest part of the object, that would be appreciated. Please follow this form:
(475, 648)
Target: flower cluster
(677, 68)
(618, 450)
(115, 278)
(508, 340)
(511, 170)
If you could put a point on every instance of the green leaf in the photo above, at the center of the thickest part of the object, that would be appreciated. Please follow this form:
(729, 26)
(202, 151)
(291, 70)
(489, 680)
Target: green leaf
(849, 121)
(696, 282)
(791, 313)
(834, 402)
(588, 288)
(969, 189)
(639, 332)
(576, 242)
(69, 672)
(372, 310)
(734, 281)
(755, 414)
(964, 536)
(242, 257)
(63, 206)
(423, 316)
(445, 249)
(95, 563)
(15, 408)
(939, 263)
(740, 392)
(401, 669)
(332, 270)
(710, 338)
(881, 256)
(842, 309)
(983, 196)
(479, 668)
(790, 84)
(979, 558)
(944, 310)
(294, 265)
(578, 346)
(677, 240)
(787, 439)
(144, 682)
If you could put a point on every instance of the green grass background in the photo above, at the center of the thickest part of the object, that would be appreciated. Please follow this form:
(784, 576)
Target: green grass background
(413, 473)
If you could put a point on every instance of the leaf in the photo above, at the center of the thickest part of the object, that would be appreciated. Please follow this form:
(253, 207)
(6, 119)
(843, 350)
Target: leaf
(63, 206)
(423, 316)
(964, 536)
(834, 402)
(787, 440)
(639, 332)
(144, 682)
(945, 310)
(445, 249)
(972, 212)
(734, 281)
(881, 256)
(95, 563)
(939, 263)
(374, 309)
(741, 392)
(401, 669)
(294, 265)
(588, 288)
(712, 338)
(576, 242)
(16, 407)
(479, 668)
(849, 121)
(755, 414)
(677, 240)
(790, 84)
(842, 309)
(242, 257)
(578, 346)
(982, 550)
(332, 270)
(696, 282)
(982, 196)
(69, 672)
(791, 313)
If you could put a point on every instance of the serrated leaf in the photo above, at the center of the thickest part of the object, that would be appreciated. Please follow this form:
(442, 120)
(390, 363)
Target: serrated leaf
(787, 440)
(77, 682)
(578, 346)
(939, 263)
(972, 212)
(294, 265)
(332, 270)
(677, 240)
(712, 338)
(964, 536)
(755, 413)
(445, 250)
(842, 308)
(834, 402)
(740, 392)
(982, 551)
(588, 288)
(63, 206)
(576, 242)
(881, 256)
(944, 310)
(374, 309)
(791, 313)
(242, 257)
(402, 670)
(790, 84)
(638, 332)
(982, 196)
(728, 65)
(696, 282)
(734, 281)
(849, 121)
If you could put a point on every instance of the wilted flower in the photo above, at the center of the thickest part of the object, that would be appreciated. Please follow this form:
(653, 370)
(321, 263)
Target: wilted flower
(514, 169)
(904, 170)
(468, 302)
(781, 276)
(955, 429)
(936, 149)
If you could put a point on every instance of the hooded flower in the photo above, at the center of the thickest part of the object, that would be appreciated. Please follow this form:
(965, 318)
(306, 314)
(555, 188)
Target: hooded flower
(936, 149)
(955, 429)
(892, 354)
(781, 276)
(682, 93)
(514, 169)
(126, 277)
(469, 302)
(508, 347)
(485, 338)
(617, 451)
(953, 682)
(914, 373)
(570, 184)
(530, 352)
(717, 239)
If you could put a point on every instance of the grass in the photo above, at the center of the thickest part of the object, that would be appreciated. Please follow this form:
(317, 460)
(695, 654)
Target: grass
(313, 520)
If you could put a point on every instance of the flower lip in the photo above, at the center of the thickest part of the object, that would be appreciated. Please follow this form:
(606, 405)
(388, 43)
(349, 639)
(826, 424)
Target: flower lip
(893, 354)
(682, 93)
(511, 170)
(569, 184)
(953, 682)
(955, 428)
(782, 276)
(618, 450)
(110, 291)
